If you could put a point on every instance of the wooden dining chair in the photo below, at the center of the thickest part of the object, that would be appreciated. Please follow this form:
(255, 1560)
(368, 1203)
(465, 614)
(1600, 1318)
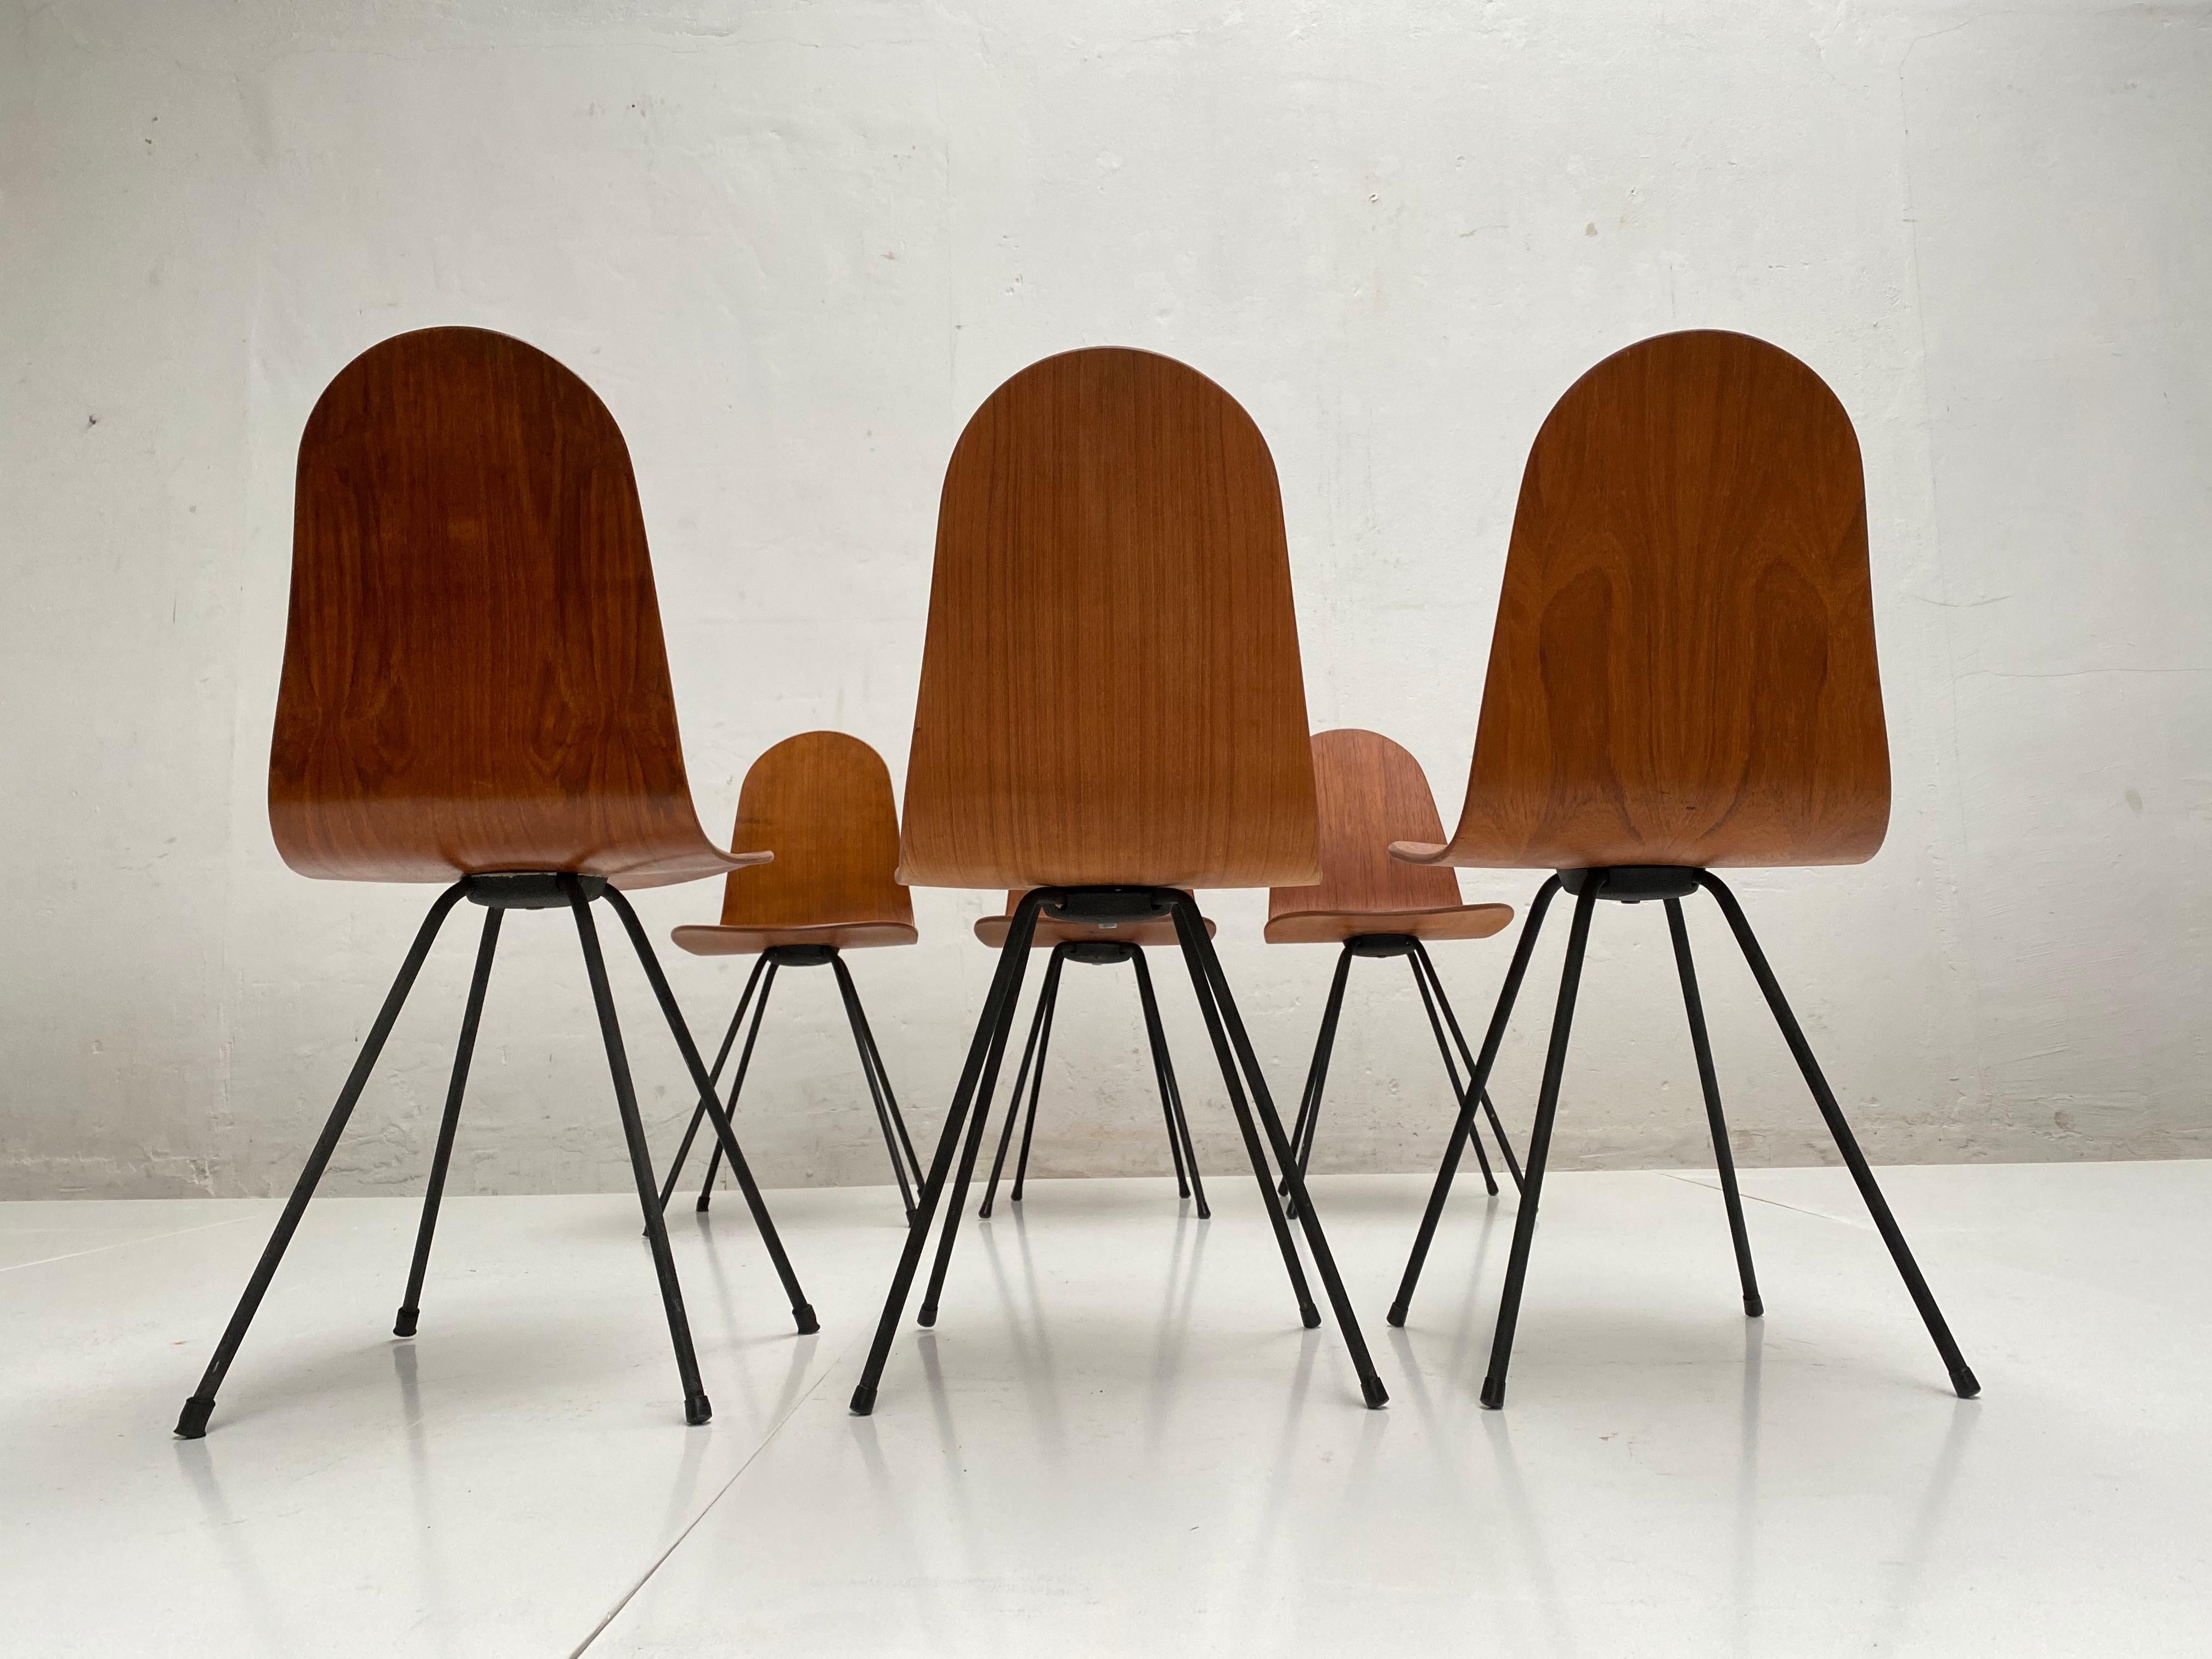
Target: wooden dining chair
(1097, 943)
(1111, 715)
(1682, 678)
(1367, 903)
(822, 802)
(475, 692)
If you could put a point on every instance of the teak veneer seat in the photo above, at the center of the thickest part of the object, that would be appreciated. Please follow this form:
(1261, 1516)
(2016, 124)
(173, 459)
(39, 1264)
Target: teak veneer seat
(822, 802)
(1682, 677)
(1370, 791)
(1111, 715)
(993, 930)
(475, 691)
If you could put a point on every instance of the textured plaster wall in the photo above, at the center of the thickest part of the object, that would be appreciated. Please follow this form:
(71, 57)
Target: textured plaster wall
(793, 246)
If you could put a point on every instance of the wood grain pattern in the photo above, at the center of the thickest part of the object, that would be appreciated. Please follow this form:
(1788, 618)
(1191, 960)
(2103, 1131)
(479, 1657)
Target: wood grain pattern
(822, 802)
(1110, 683)
(474, 677)
(1683, 670)
(1153, 930)
(1372, 791)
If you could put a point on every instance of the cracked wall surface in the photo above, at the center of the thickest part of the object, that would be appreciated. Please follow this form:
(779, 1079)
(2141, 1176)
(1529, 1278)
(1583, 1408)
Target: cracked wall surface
(793, 246)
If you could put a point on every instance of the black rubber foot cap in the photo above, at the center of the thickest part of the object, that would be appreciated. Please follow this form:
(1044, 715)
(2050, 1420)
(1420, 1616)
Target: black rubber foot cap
(983, 1214)
(1962, 1380)
(1206, 1213)
(1754, 1308)
(864, 1401)
(193, 1421)
(926, 1316)
(1376, 1395)
(1310, 1315)
(1396, 1315)
(696, 1410)
(1493, 1395)
(701, 1207)
(404, 1323)
(803, 1316)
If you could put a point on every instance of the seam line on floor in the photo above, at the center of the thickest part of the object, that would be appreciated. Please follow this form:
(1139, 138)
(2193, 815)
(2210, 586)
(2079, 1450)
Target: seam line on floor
(125, 1243)
(706, 1508)
(1714, 1186)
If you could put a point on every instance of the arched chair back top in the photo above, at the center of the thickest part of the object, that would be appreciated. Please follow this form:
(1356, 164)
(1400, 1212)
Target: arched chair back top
(1372, 791)
(474, 675)
(1683, 667)
(821, 802)
(1111, 684)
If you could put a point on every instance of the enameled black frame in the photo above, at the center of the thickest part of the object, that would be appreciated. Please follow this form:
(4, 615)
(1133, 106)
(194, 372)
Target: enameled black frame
(520, 890)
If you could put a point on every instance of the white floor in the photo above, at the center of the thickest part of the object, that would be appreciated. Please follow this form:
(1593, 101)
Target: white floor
(1118, 1440)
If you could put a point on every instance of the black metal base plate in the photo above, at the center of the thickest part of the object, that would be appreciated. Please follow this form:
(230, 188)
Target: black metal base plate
(530, 890)
(1099, 954)
(1632, 883)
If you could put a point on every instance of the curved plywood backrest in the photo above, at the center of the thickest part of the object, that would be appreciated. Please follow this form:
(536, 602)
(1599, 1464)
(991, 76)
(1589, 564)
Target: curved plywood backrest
(1110, 685)
(1683, 670)
(822, 802)
(474, 677)
(1371, 793)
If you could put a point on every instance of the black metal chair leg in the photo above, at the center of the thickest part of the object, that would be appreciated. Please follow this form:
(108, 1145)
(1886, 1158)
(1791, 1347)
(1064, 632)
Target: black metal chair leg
(1255, 1152)
(410, 1308)
(1451, 1069)
(737, 1087)
(1962, 1378)
(721, 1055)
(1170, 1092)
(1167, 1107)
(193, 1421)
(979, 1074)
(1036, 1078)
(851, 998)
(873, 1057)
(1048, 1006)
(1021, 1082)
(1539, 1146)
(1476, 1088)
(1709, 1083)
(1309, 1120)
(948, 1234)
(697, 1408)
(802, 1311)
(1466, 1056)
(1220, 1008)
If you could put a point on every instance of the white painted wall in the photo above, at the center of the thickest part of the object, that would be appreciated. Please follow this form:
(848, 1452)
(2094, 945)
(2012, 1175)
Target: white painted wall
(793, 246)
